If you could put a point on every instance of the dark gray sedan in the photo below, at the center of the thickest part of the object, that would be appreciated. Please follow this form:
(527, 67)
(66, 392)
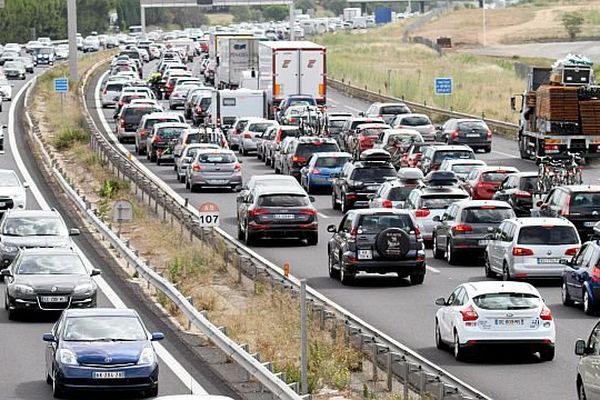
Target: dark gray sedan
(48, 280)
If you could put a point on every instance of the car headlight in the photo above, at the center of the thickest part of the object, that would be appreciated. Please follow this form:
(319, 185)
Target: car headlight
(67, 357)
(84, 288)
(23, 289)
(147, 357)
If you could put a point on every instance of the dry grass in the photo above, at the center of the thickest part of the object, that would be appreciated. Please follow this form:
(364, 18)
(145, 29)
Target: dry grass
(537, 21)
(220, 19)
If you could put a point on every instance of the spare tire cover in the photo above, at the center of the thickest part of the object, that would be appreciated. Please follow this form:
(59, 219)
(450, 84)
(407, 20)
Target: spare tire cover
(393, 242)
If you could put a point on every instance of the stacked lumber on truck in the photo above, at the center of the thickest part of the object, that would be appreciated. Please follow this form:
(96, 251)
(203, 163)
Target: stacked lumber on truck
(557, 103)
(590, 117)
(531, 99)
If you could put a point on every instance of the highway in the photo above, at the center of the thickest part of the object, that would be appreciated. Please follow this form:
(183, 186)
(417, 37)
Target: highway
(22, 350)
(405, 312)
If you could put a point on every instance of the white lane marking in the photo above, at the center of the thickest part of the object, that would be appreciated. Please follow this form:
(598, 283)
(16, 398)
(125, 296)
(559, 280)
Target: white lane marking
(112, 296)
(434, 270)
(352, 108)
(323, 215)
(332, 101)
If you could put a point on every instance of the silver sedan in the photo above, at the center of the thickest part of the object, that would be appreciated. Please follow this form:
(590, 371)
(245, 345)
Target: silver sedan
(214, 168)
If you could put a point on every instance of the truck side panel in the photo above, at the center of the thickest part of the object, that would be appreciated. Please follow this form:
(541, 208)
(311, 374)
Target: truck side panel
(287, 69)
(312, 72)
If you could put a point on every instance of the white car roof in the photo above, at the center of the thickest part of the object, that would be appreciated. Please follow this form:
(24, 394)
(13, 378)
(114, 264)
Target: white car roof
(541, 221)
(486, 287)
(465, 162)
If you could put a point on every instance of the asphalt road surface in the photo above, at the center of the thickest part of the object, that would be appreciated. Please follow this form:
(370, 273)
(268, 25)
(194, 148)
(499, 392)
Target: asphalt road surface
(402, 311)
(551, 50)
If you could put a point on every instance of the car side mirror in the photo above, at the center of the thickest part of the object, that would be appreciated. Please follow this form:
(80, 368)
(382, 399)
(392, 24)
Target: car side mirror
(74, 232)
(437, 218)
(539, 203)
(48, 337)
(440, 301)
(5, 272)
(489, 236)
(95, 272)
(240, 161)
(156, 336)
(331, 229)
(543, 206)
(26, 185)
(580, 347)
(361, 114)
(312, 199)
(371, 196)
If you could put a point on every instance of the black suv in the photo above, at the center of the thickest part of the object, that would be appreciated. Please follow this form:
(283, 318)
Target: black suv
(517, 190)
(301, 152)
(359, 179)
(580, 204)
(376, 241)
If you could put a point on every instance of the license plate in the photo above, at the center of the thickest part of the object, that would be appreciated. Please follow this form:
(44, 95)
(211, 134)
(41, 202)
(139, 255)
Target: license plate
(53, 299)
(108, 374)
(548, 260)
(510, 322)
(219, 181)
(483, 242)
(589, 224)
(284, 216)
(473, 135)
(372, 187)
(365, 254)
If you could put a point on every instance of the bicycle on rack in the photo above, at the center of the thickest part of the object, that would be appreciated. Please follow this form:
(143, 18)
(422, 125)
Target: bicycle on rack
(554, 172)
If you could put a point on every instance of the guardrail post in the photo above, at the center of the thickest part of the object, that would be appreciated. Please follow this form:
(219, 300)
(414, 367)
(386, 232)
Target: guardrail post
(190, 299)
(405, 377)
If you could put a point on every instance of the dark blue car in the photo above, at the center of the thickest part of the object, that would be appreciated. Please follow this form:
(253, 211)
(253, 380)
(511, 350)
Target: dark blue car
(317, 174)
(581, 278)
(101, 349)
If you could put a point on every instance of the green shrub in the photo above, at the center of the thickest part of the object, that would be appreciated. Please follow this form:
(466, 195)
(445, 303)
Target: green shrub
(67, 137)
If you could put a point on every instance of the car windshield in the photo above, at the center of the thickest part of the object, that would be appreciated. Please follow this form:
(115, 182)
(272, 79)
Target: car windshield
(307, 149)
(377, 222)
(104, 328)
(46, 50)
(373, 174)
(507, 301)
(134, 115)
(331, 162)
(585, 200)
(8, 179)
(51, 264)
(528, 184)
(283, 200)
(472, 125)
(33, 226)
(259, 127)
(485, 214)
(399, 193)
(394, 110)
(440, 202)
(548, 235)
(216, 158)
(415, 121)
(452, 155)
(494, 176)
(170, 133)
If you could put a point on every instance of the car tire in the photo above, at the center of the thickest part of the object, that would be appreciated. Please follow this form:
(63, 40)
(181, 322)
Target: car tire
(187, 183)
(346, 278)
(244, 152)
(487, 149)
(58, 391)
(152, 157)
(312, 239)
(458, 350)
(151, 392)
(565, 296)
(240, 233)
(580, 390)
(450, 254)
(547, 353)
(248, 236)
(157, 161)
(417, 279)
(333, 273)
(437, 253)
(267, 161)
(588, 308)
(486, 266)
(334, 203)
(505, 272)
(48, 379)
(439, 343)
(194, 188)
(344, 206)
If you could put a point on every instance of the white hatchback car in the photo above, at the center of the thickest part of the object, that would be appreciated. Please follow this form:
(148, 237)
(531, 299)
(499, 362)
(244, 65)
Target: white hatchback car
(12, 191)
(525, 248)
(494, 313)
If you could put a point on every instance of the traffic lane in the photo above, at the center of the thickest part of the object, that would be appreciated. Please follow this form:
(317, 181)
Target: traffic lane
(115, 279)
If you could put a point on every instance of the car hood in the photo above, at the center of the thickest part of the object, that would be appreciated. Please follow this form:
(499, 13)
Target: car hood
(11, 191)
(43, 283)
(106, 353)
(36, 241)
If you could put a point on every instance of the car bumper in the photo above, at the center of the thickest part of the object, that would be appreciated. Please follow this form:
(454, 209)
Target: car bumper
(479, 144)
(176, 102)
(281, 230)
(32, 303)
(80, 378)
(248, 144)
(321, 181)
(360, 199)
(533, 270)
(404, 267)
(472, 243)
(234, 180)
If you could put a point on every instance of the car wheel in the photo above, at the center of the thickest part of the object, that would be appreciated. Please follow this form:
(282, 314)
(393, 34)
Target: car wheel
(459, 350)
(48, 379)
(333, 273)
(581, 391)
(157, 161)
(488, 149)
(437, 253)
(439, 343)
(345, 207)
(450, 253)
(312, 239)
(258, 155)
(547, 353)
(267, 161)
(58, 391)
(588, 308)
(187, 183)
(152, 157)
(565, 296)
(244, 152)
(194, 188)
(345, 277)
(248, 236)
(505, 272)
(240, 233)
(151, 392)
(486, 266)
(417, 279)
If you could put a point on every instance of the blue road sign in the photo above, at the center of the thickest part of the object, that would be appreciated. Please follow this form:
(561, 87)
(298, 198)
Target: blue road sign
(443, 86)
(61, 85)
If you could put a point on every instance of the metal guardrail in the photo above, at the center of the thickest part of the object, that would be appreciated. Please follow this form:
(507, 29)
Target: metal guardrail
(253, 366)
(371, 96)
(400, 362)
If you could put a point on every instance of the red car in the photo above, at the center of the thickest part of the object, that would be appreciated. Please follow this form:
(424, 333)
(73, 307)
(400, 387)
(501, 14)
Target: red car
(366, 135)
(413, 154)
(483, 182)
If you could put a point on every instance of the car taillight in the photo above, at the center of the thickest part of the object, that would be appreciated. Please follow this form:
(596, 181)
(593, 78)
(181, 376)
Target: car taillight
(308, 211)
(455, 135)
(388, 204)
(292, 119)
(298, 159)
(237, 167)
(353, 234)
(469, 314)
(105, 91)
(257, 211)
(462, 228)
(572, 251)
(315, 171)
(595, 274)
(546, 314)
(521, 194)
(196, 167)
(156, 139)
(422, 212)
(489, 134)
(417, 232)
(122, 123)
(522, 251)
(247, 136)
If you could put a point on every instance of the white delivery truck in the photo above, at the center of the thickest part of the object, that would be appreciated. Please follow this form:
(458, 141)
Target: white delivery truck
(351, 12)
(227, 105)
(217, 37)
(235, 56)
(292, 67)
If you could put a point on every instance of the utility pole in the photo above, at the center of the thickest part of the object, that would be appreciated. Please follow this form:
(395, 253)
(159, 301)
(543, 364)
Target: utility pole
(143, 17)
(292, 20)
(72, 25)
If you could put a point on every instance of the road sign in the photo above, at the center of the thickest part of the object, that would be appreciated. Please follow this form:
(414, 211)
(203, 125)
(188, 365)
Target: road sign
(443, 86)
(61, 85)
(122, 211)
(209, 215)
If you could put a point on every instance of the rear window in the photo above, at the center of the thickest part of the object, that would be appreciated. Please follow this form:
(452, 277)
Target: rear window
(415, 121)
(463, 170)
(494, 176)
(301, 101)
(331, 162)
(134, 115)
(486, 215)
(289, 133)
(282, 200)
(378, 222)
(373, 174)
(440, 202)
(507, 301)
(307, 149)
(452, 155)
(404, 140)
(585, 200)
(399, 193)
(548, 235)
(337, 124)
(114, 87)
(260, 128)
(528, 184)
(205, 102)
(150, 122)
(216, 158)
(394, 110)
(373, 131)
(170, 133)
(191, 138)
(241, 125)
(472, 125)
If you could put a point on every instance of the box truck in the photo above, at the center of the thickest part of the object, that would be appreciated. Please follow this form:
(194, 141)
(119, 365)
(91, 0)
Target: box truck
(294, 67)
(351, 12)
(227, 105)
(235, 55)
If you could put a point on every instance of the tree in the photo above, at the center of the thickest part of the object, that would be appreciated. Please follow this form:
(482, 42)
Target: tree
(275, 12)
(305, 5)
(572, 22)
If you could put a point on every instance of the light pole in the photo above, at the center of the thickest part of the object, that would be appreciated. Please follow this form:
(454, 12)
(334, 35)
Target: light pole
(72, 30)
(292, 20)
(484, 29)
